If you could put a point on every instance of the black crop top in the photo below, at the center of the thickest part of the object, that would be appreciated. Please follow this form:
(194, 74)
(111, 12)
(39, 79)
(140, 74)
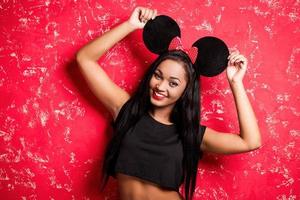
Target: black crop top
(152, 151)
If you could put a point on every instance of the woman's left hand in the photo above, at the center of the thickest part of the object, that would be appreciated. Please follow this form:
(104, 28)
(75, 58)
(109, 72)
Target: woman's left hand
(236, 67)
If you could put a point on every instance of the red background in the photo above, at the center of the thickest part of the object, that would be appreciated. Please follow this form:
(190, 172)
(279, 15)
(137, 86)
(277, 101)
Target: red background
(53, 131)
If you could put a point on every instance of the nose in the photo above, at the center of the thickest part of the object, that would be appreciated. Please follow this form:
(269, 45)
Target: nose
(161, 86)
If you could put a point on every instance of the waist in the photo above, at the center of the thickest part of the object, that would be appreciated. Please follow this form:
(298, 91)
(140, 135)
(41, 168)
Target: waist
(134, 188)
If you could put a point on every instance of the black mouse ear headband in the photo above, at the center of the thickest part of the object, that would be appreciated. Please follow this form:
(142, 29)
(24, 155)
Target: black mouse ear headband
(208, 54)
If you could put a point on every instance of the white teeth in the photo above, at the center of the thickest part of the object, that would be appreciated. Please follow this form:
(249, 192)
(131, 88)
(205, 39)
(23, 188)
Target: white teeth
(160, 95)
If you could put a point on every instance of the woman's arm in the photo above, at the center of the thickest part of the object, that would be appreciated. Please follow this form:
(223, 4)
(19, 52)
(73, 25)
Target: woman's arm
(111, 95)
(249, 137)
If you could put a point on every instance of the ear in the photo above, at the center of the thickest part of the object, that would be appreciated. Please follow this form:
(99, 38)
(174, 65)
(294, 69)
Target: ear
(212, 56)
(158, 33)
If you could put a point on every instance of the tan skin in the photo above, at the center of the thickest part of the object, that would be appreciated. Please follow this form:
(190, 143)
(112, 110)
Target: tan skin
(168, 81)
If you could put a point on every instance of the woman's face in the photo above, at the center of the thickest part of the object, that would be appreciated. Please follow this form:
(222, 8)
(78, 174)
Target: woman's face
(167, 84)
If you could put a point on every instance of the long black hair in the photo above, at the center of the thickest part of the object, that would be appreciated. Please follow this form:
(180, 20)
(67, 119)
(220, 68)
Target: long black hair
(185, 115)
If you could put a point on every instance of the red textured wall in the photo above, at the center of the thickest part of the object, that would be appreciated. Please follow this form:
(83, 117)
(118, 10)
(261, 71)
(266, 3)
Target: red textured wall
(53, 130)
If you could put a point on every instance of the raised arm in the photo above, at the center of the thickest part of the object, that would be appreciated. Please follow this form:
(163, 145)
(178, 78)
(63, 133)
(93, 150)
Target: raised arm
(110, 94)
(249, 137)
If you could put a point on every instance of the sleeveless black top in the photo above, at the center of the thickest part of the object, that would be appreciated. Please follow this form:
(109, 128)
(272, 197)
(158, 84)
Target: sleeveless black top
(153, 151)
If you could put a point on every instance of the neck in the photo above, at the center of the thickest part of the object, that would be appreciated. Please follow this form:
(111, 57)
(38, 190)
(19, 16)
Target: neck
(161, 114)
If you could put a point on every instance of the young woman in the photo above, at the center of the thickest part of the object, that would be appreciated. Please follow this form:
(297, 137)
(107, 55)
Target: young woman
(157, 140)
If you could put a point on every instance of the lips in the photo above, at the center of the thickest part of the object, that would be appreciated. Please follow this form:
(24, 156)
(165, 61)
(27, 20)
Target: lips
(158, 96)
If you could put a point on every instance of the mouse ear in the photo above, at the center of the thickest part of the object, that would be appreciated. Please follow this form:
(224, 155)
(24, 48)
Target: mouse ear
(212, 56)
(158, 33)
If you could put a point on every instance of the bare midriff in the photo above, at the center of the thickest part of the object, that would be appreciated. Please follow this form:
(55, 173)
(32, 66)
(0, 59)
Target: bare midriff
(134, 188)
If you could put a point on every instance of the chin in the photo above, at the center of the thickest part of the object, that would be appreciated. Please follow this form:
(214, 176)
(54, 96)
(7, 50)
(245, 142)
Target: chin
(157, 103)
(161, 103)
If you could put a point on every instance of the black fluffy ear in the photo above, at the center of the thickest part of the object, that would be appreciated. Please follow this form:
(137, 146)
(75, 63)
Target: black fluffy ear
(212, 56)
(158, 33)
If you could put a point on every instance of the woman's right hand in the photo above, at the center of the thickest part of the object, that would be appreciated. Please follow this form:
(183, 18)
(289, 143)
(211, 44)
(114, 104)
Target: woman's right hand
(140, 16)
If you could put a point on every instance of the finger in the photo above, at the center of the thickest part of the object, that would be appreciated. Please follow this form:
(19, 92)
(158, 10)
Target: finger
(147, 15)
(241, 57)
(147, 12)
(137, 12)
(236, 61)
(232, 59)
(241, 62)
(142, 14)
(154, 14)
(234, 53)
(244, 64)
(137, 9)
(151, 14)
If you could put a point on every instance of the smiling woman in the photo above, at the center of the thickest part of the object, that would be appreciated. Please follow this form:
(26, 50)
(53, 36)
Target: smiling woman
(53, 128)
(157, 140)
(153, 127)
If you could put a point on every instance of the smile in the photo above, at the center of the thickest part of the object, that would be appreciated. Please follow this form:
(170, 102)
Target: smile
(158, 96)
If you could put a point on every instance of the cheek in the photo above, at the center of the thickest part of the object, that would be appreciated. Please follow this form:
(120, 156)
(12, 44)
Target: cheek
(152, 82)
(178, 92)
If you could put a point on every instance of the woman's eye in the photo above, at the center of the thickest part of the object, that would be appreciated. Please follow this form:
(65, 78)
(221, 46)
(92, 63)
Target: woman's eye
(173, 84)
(157, 76)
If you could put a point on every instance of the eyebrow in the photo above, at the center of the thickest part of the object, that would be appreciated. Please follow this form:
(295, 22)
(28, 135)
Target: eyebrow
(172, 77)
